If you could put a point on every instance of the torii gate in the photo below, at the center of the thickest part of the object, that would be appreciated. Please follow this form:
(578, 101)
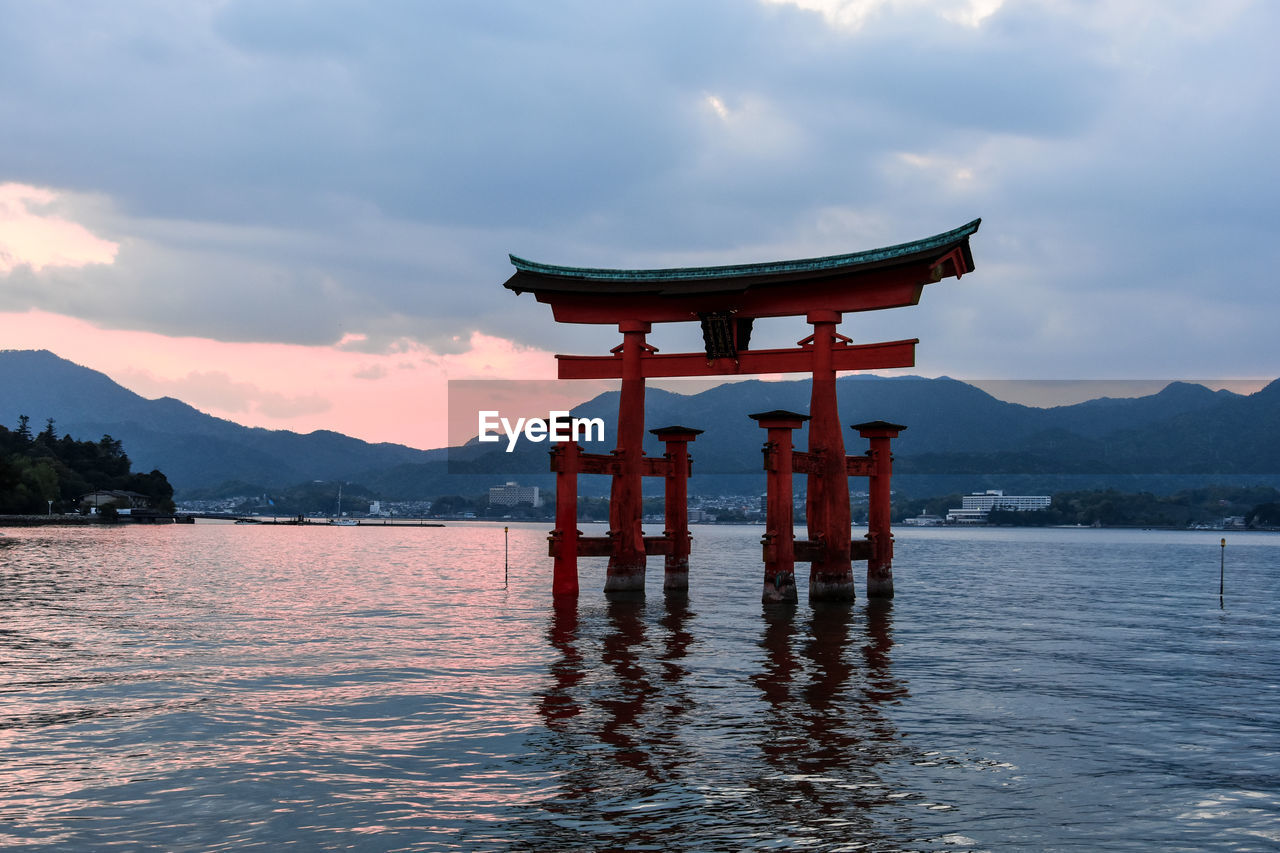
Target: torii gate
(726, 300)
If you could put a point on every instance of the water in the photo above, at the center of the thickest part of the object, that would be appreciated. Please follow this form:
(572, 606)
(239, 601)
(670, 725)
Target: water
(224, 687)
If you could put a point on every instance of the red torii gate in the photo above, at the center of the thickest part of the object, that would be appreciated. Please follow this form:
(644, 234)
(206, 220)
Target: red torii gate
(726, 300)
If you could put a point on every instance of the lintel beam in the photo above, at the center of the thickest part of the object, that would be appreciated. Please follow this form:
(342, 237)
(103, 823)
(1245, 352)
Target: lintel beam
(610, 464)
(877, 356)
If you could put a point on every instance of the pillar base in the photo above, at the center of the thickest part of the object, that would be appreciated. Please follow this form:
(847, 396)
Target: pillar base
(832, 588)
(880, 586)
(779, 588)
(624, 578)
(676, 579)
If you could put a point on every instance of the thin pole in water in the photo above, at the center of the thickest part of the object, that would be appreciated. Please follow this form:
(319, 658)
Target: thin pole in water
(506, 556)
(1222, 568)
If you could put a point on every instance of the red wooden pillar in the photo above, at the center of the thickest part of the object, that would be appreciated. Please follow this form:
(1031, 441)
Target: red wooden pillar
(880, 563)
(676, 505)
(779, 528)
(565, 459)
(831, 572)
(626, 563)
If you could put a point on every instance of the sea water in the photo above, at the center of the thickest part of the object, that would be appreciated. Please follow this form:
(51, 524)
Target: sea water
(223, 687)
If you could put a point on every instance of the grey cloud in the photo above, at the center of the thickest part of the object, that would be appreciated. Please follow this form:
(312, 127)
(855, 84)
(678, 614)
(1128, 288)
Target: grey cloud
(215, 389)
(372, 372)
(297, 171)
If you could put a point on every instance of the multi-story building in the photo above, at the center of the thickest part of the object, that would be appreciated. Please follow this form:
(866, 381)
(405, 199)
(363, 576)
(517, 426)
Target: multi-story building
(975, 508)
(513, 493)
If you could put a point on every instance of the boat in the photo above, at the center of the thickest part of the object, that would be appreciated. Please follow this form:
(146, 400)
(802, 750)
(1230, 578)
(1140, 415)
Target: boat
(338, 519)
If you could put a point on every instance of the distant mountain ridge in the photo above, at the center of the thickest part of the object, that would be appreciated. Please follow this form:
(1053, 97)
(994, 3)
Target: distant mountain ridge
(194, 449)
(954, 430)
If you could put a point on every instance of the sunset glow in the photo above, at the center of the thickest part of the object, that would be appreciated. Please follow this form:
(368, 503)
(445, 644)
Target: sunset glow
(398, 397)
(32, 234)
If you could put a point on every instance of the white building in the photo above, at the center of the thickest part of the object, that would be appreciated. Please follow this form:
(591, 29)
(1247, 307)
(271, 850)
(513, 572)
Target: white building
(974, 508)
(513, 493)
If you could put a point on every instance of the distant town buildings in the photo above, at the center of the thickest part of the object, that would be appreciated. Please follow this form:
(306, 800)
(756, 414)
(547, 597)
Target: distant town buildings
(512, 494)
(93, 502)
(924, 519)
(975, 508)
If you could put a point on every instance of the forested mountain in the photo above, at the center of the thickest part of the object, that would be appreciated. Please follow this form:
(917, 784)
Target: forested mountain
(194, 449)
(45, 472)
(959, 438)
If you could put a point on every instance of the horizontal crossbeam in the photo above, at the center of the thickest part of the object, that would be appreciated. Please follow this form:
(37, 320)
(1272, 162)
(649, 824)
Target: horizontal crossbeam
(878, 356)
(806, 550)
(805, 462)
(607, 463)
(859, 466)
(602, 546)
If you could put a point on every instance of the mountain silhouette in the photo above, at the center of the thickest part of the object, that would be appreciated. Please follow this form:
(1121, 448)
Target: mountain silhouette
(959, 437)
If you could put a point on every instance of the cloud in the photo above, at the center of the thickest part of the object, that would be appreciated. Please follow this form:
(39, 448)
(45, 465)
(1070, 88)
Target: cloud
(372, 372)
(286, 386)
(217, 390)
(314, 172)
(853, 15)
(33, 235)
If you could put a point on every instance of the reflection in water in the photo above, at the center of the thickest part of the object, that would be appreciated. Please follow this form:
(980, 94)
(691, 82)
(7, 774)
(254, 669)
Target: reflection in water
(558, 705)
(826, 734)
(676, 643)
(881, 685)
(635, 767)
(615, 724)
(250, 689)
(625, 702)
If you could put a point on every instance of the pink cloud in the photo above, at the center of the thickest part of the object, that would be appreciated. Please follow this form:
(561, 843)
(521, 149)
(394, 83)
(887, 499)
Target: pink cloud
(31, 234)
(398, 396)
(373, 371)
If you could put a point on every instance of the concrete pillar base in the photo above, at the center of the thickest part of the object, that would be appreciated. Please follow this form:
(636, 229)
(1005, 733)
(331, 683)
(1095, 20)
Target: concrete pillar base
(624, 578)
(778, 589)
(880, 582)
(676, 579)
(831, 588)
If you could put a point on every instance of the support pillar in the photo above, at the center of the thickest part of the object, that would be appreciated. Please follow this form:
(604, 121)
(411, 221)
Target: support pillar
(827, 506)
(880, 563)
(779, 535)
(675, 576)
(626, 562)
(565, 459)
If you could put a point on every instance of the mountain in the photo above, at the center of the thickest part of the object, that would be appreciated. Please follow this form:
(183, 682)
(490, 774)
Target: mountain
(959, 438)
(192, 448)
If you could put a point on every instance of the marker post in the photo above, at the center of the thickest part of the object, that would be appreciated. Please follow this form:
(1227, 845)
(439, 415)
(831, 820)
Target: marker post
(1222, 568)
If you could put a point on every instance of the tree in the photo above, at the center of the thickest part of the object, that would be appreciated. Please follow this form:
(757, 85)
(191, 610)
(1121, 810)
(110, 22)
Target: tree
(1265, 515)
(36, 470)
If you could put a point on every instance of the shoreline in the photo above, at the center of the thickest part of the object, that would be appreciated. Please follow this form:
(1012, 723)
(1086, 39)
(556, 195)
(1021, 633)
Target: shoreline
(98, 521)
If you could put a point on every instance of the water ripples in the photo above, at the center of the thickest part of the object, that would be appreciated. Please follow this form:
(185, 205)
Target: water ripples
(231, 688)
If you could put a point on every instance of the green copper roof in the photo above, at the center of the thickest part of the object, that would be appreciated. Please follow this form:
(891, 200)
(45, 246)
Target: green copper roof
(830, 262)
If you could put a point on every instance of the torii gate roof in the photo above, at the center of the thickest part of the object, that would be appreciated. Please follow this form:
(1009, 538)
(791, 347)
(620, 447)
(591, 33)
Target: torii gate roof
(888, 277)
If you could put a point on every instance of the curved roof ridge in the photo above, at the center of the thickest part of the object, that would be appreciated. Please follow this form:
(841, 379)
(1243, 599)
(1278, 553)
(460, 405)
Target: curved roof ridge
(827, 262)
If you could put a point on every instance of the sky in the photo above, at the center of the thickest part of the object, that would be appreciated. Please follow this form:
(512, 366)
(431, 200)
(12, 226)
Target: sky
(298, 214)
